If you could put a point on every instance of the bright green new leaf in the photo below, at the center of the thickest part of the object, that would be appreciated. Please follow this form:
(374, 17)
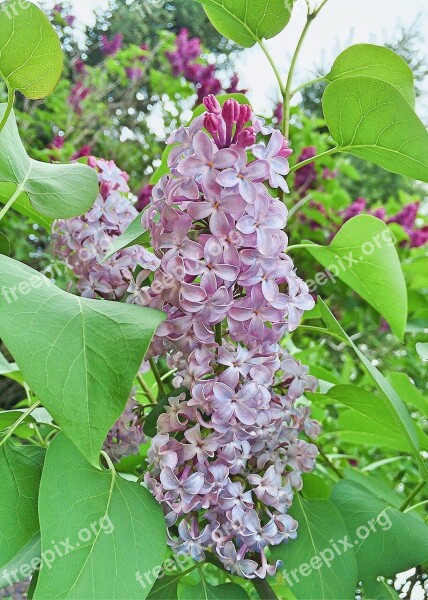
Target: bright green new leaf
(30, 51)
(79, 356)
(248, 21)
(369, 60)
(54, 190)
(377, 531)
(363, 255)
(20, 472)
(115, 527)
(205, 591)
(134, 235)
(312, 567)
(372, 120)
(371, 420)
(382, 384)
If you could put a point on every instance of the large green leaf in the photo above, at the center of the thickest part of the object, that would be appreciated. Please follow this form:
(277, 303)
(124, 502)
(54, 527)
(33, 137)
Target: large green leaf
(378, 590)
(371, 420)
(386, 541)
(20, 472)
(408, 391)
(313, 567)
(23, 206)
(363, 255)
(369, 60)
(115, 527)
(79, 356)
(54, 190)
(382, 384)
(30, 50)
(248, 21)
(205, 591)
(26, 560)
(372, 120)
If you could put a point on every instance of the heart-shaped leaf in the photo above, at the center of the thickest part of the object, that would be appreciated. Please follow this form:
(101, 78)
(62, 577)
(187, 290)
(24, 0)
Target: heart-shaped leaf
(312, 566)
(369, 60)
(55, 190)
(377, 531)
(114, 528)
(247, 21)
(20, 472)
(79, 356)
(371, 119)
(363, 255)
(30, 51)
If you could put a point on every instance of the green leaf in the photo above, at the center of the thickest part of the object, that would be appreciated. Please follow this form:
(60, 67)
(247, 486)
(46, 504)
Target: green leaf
(27, 559)
(9, 417)
(115, 527)
(363, 255)
(79, 356)
(4, 244)
(23, 206)
(54, 190)
(134, 235)
(371, 119)
(150, 422)
(245, 21)
(382, 384)
(30, 51)
(375, 485)
(314, 487)
(6, 367)
(369, 60)
(165, 587)
(408, 392)
(205, 591)
(371, 420)
(378, 590)
(20, 472)
(386, 541)
(313, 567)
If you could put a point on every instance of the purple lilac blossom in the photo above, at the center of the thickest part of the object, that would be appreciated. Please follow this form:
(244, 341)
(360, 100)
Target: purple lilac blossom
(83, 241)
(227, 460)
(111, 47)
(126, 435)
(305, 176)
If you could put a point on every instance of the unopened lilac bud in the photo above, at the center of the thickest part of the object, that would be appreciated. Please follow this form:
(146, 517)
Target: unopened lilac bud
(212, 104)
(244, 114)
(247, 137)
(231, 111)
(212, 123)
(92, 162)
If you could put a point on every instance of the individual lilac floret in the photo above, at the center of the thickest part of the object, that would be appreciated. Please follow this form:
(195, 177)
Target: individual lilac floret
(83, 241)
(228, 456)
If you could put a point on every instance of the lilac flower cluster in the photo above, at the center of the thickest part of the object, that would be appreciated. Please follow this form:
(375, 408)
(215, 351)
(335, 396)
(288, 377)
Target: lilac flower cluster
(16, 591)
(227, 459)
(185, 61)
(83, 241)
(406, 217)
(126, 435)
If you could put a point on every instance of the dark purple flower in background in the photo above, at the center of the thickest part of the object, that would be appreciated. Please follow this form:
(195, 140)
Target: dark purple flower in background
(356, 208)
(144, 197)
(134, 73)
(305, 176)
(85, 150)
(79, 92)
(111, 47)
(279, 112)
(234, 86)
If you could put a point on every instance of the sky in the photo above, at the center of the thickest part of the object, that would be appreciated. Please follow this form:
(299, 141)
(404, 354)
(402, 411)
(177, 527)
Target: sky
(340, 24)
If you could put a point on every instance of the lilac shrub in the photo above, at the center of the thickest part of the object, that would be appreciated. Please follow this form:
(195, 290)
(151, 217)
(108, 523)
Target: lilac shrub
(227, 459)
(82, 242)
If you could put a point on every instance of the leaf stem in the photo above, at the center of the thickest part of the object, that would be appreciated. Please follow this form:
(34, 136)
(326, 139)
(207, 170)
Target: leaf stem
(308, 161)
(330, 463)
(298, 206)
(264, 590)
(323, 331)
(19, 421)
(306, 84)
(298, 246)
(157, 376)
(412, 495)
(15, 195)
(10, 101)
(274, 68)
(148, 392)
